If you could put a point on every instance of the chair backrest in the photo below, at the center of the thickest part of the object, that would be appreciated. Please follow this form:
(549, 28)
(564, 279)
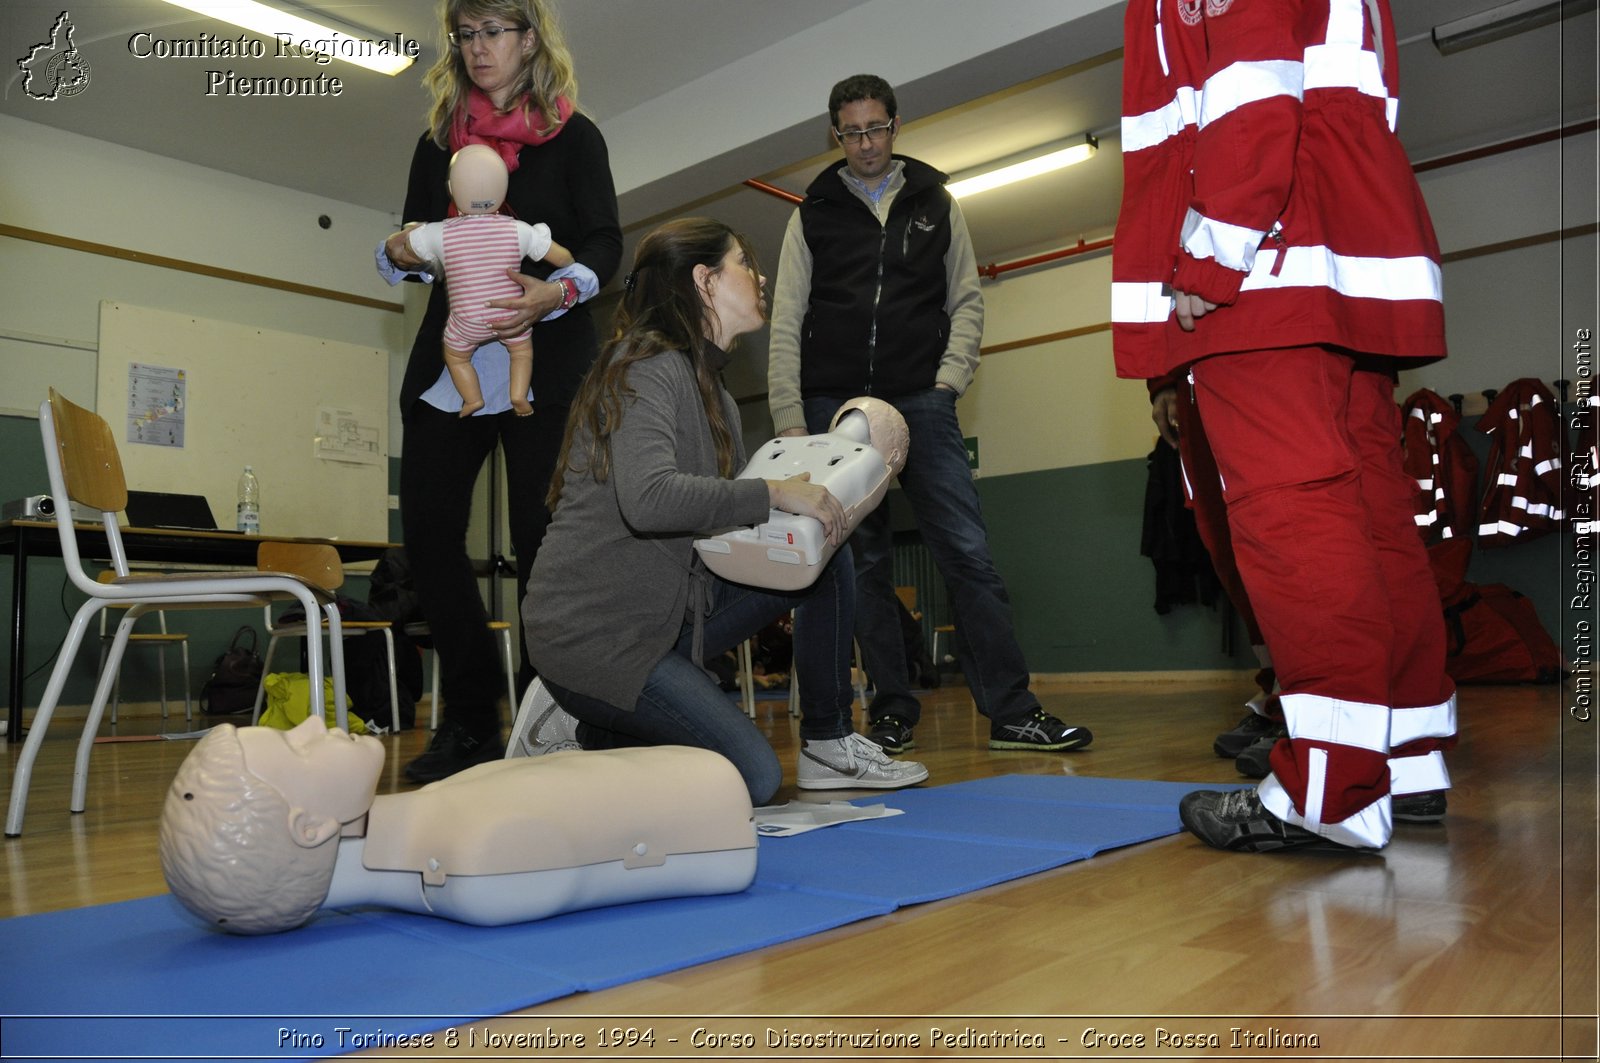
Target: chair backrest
(316, 563)
(80, 458)
(90, 464)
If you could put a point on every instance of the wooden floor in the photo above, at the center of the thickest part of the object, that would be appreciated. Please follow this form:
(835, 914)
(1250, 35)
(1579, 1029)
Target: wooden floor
(1475, 938)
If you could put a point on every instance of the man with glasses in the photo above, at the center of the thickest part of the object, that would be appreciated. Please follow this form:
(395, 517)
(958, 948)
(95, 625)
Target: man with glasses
(877, 294)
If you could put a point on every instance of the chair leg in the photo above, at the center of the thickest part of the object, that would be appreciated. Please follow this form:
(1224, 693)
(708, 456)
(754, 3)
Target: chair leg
(161, 683)
(511, 670)
(22, 774)
(97, 708)
(188, 705)
(433, 691)
(335, 666)
(261, 687)
(394, 683)
(747, 680)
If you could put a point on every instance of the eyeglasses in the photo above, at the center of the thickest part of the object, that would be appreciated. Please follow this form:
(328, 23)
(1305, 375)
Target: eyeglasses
(873, 134)
(462, 38)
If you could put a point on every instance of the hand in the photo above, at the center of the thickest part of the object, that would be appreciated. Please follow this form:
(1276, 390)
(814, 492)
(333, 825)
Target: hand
(942, 386)
(793, 432)
(799, 495)
(1191, 308)
(538, 298)
(1164, 412)
(398, 248)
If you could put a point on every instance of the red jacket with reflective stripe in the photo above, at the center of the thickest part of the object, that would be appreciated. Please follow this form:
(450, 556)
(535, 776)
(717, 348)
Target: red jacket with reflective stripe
(1262, 173)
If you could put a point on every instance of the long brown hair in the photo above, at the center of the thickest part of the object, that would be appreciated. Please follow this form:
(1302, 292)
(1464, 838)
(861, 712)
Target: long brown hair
(661, 310)
(546, 74)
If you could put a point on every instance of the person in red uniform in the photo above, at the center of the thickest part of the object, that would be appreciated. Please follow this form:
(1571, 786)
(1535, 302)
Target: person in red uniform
(1273, 242)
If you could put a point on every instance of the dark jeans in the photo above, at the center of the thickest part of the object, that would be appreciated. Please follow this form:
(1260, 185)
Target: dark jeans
(440, 459)
(682, 705)
(938, 484)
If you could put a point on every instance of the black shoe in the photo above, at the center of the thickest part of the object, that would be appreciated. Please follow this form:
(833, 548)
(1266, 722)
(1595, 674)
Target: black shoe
(1230, 744)
(892, 734)
(454, 749)
(1235, 820)
(1040, 731)
(1253, 761)
(1426, 807)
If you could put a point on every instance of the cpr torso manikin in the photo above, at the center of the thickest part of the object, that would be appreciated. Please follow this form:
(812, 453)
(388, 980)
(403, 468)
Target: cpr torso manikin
(862, 451)
(262, 827)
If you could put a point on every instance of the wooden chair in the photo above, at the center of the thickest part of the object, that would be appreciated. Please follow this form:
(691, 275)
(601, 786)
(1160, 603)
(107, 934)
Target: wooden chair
(318, 564)
(83, 466)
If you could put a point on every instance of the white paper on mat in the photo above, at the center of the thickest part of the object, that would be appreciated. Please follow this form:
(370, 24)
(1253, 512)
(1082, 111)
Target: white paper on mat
(797, 817)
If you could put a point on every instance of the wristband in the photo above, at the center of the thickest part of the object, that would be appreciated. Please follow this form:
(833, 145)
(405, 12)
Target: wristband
(569, 293)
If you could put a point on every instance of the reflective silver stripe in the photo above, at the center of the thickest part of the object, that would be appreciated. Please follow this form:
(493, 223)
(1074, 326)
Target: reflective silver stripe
(1146, 130)
(1135, 303)
(1422, 721)
(1345, 723)
(1233, 246)
(1369, 828)
(1241, 84)
(1413, 277)
(1418, 775)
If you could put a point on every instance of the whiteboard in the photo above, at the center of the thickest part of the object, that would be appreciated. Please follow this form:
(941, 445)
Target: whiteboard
(256, 396)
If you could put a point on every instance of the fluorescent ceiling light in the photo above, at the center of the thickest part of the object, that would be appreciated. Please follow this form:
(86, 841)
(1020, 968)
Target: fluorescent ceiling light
(1515, 17)
(303, 33)
(1028, 164)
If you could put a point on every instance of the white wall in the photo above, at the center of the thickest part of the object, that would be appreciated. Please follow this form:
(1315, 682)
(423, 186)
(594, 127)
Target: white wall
(75, 187)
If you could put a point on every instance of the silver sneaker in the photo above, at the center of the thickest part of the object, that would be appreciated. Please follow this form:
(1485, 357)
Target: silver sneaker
(555, 731)
(854, 762)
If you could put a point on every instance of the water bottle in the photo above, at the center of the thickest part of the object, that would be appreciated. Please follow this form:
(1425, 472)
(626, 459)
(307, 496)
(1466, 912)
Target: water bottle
(249, 503)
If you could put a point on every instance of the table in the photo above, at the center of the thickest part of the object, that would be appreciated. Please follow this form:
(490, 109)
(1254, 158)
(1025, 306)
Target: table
(25, 539)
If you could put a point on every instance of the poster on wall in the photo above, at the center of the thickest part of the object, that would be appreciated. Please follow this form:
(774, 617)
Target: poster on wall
(156, 405)
(342, 437)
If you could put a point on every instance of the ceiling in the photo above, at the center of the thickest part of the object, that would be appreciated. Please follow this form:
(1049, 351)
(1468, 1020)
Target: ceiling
(631, 53)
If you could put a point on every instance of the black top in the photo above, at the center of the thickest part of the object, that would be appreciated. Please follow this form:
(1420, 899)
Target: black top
(876, 323)
(564, 183)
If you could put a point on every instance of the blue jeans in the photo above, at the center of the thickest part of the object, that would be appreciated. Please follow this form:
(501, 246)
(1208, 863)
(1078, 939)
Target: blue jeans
(938, 483)
(682, 705)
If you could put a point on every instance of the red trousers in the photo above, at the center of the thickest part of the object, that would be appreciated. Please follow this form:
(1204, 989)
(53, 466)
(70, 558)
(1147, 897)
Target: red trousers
(1307, 444)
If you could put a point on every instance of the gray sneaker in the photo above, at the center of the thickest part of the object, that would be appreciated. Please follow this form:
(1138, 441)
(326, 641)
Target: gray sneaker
(854, 763)
(555, 731)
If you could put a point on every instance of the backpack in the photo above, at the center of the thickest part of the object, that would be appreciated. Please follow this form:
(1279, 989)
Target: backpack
(1493, 635)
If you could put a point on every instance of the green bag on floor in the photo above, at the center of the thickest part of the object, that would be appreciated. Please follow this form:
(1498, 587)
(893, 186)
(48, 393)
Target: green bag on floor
(289, 703)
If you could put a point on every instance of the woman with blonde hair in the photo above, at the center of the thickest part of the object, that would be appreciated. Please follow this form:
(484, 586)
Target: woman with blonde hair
(620, 613)
(504, 78)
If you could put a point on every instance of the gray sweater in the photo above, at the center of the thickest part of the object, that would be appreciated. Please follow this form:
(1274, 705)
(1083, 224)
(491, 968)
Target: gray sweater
(610, 589)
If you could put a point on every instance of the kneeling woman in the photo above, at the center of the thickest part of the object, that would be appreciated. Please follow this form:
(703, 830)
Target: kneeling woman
(620, 613)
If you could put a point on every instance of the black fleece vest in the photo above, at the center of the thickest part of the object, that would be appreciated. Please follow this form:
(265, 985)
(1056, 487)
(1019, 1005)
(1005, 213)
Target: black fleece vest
(876, 322)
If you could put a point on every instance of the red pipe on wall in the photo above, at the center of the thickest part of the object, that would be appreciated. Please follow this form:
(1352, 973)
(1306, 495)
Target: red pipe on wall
(994, 269)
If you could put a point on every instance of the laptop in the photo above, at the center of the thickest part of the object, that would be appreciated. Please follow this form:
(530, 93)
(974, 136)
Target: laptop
(162, 509)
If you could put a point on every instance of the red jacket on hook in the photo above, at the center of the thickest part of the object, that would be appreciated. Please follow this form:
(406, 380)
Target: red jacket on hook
(1444, 467)
(1523, 499)
(1260, 171)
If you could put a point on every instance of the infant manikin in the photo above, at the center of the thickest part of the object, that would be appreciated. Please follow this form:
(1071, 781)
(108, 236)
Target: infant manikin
(262, 827)
(863, 450)
(473, 251)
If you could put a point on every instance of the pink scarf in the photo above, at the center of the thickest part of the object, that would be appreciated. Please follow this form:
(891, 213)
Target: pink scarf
(506, 133)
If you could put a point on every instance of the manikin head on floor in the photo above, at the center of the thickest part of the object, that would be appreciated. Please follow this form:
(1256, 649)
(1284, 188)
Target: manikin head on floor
(249, 833)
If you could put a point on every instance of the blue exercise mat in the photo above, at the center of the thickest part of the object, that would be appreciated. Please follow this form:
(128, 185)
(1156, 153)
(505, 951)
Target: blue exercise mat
(109, 981)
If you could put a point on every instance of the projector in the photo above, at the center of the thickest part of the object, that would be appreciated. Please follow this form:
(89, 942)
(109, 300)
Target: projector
(43, 507)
